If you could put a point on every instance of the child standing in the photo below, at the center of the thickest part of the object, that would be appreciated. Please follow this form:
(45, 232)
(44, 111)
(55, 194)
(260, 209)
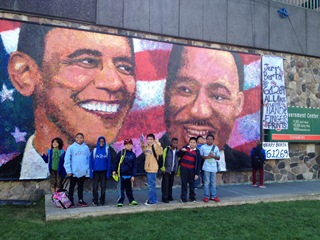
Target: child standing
(55, 157)
(76, 163)
(210, 154)
(200, 142)
(169, 169)
(100, 169)
(126, 167)
(190, 163)
(151, 166)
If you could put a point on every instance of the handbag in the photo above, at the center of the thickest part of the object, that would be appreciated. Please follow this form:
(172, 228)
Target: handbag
(217, 162)
(116, 176)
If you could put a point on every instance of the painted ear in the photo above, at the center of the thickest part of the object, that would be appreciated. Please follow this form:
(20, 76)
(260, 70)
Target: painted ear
(240, 103)
(24, 72)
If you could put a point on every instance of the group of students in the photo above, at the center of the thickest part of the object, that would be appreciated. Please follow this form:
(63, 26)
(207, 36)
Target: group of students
(77, 161)
(103, 162)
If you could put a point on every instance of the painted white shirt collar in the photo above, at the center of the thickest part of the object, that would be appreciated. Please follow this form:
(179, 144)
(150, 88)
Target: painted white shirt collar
(33, 166)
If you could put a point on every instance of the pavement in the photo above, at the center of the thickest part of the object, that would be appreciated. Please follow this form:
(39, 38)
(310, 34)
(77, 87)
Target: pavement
(230, 195)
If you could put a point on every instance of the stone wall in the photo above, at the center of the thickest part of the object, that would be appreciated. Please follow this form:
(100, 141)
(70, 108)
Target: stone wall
(302, 77)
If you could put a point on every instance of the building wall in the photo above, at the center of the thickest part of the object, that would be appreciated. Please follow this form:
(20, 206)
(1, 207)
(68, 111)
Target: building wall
(253, 24)
(302, 76)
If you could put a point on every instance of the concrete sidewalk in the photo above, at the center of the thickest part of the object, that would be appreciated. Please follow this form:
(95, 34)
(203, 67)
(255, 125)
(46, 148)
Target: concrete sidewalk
(228, 194)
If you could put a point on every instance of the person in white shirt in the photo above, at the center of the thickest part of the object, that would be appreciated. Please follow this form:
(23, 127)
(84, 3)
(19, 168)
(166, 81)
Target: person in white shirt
(210, 154)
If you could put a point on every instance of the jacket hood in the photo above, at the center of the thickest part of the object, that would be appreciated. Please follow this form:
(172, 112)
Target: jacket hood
(98, 142)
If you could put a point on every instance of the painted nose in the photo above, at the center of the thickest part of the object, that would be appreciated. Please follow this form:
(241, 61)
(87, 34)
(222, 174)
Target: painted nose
(201, 108)
(109, 79)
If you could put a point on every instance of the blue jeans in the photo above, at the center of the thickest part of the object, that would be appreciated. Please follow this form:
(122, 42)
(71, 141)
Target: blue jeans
(152, 191)
(209, 184)
(197, 182)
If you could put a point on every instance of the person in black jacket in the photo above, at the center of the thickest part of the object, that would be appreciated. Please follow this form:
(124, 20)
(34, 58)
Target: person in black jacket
(258, 157)
(190, 164)
(169, 169)
(125, 166)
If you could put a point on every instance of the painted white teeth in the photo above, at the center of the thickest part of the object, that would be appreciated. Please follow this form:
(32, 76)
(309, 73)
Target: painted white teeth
(101, 107)
(196, 132)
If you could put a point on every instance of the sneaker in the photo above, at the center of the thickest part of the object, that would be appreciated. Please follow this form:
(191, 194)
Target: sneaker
(120, 205)
(147, 203)
(82, 203)
(216, 199)
(183, 201)
(72, 206)
(254, 185)
(102, 203)
(95, 204)
(206, 199)
(134, 203)
(192, 200)
(195, 189)
(263, 186)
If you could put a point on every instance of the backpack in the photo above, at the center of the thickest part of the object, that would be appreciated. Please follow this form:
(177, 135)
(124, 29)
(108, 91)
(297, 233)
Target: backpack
(257, 159)
(159, 158)
(95, 151)
(217, 162)
(116, 176)
(61, 197)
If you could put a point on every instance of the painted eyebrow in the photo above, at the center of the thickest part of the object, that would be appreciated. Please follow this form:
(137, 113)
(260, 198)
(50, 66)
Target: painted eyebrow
(215, 86)
(124, 59)
(212, 86)
(86, 51)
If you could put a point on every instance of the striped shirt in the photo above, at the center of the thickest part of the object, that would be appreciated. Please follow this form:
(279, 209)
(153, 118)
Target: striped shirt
(189, 159)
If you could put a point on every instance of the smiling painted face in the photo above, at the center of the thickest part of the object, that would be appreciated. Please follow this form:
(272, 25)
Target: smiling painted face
(204, 96)
(88, 83)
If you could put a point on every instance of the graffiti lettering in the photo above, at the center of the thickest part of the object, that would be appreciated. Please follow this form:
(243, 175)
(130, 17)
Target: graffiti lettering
(275, 114)
(271, 72)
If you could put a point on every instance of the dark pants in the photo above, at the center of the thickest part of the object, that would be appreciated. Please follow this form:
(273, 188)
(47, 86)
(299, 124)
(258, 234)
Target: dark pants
(166, 186)
(99, 177)
(73, 182)
(187, 177)
(125, 184)
(254, 176)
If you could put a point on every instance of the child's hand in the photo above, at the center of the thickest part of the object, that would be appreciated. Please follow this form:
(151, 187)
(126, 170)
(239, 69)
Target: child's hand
(132, 179)
(183, 149)
(114, 173)
(195, 177)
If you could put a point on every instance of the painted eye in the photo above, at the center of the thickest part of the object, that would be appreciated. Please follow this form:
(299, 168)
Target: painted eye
(88, 62)
(184, 89)
(218, 98)
(126, 69)
(85, 62)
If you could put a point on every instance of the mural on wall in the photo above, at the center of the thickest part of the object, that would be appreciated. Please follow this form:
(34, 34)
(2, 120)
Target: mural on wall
(55, 82)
